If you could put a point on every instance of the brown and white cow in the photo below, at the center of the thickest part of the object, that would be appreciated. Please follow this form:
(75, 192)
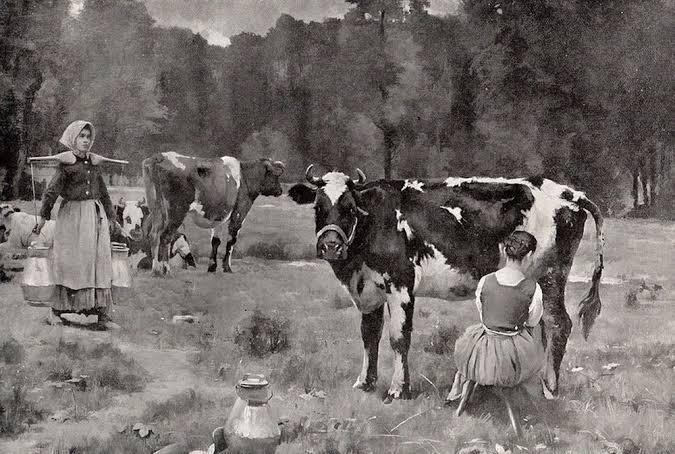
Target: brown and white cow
(389, 241)
(214, 191)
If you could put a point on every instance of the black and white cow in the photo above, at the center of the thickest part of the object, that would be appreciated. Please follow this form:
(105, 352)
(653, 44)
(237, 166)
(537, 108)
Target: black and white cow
(133, 216)
(389, 241)
(214, 191)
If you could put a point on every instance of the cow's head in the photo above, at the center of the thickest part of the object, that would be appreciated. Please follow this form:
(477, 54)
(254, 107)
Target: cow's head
(6, 211)
(132, 220)
(180, 246)
(270, 185)
(337, 210)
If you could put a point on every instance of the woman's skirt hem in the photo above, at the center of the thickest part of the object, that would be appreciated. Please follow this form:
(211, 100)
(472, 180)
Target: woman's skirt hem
(82, 300)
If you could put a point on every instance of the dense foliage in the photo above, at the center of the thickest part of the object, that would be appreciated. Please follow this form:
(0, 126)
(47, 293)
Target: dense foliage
(576, 90)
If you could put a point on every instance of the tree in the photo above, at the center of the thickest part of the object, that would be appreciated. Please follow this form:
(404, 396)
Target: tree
(385, 12)
(29, 37)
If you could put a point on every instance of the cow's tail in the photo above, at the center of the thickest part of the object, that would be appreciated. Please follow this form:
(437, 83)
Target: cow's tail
(589, 307)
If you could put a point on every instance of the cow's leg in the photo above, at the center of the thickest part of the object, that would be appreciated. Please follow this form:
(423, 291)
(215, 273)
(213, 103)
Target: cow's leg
(371, 332)
(401, 305)
(233, 230)
(175, 215)
(557, 322)
(163, 253)
(236, 221)
(215, 244)
(557, 328)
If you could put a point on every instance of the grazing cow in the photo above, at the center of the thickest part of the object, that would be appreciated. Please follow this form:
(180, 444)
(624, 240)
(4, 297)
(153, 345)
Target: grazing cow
(132, 216)
(214, 191)
(388, 241)
(18, 228)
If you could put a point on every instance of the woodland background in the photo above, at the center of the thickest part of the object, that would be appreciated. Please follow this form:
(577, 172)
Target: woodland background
(580, 91)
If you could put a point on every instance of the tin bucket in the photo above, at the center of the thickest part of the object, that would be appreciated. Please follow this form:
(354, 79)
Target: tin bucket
(250, 427)
(121, 276)
(37, 281)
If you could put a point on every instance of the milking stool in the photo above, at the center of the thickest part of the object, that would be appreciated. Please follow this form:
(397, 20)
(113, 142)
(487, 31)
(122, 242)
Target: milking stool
(504, 393)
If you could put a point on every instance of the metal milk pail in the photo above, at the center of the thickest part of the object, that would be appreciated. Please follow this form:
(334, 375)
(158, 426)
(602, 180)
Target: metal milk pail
(251, 428)
(37, 281)
(121, 275)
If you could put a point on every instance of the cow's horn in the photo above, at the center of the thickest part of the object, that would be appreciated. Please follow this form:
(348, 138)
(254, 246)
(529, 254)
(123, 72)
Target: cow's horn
(362, 176)
(313, 180)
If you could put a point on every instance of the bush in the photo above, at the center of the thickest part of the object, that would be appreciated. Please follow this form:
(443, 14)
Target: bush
(11, 352)
(179, 404)
(260, 334)
(442, 340)
(16, 410)
(269, 251)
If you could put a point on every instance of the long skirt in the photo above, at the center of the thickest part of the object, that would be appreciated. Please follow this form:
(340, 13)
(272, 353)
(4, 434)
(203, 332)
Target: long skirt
(493, 359)
(82, 258)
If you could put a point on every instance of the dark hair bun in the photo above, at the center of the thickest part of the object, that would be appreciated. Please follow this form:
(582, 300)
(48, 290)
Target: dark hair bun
(519, 244)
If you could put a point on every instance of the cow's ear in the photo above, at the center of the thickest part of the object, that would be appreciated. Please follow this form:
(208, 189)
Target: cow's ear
(369, 200)
(302, 194)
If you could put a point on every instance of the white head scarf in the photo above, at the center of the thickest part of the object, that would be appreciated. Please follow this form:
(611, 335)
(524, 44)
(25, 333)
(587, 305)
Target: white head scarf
(72, 131)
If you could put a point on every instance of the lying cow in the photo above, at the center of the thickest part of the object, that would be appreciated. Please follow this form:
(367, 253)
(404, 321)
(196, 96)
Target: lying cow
(132, 215)
(18, 228)
(389, 241)
(214, 191)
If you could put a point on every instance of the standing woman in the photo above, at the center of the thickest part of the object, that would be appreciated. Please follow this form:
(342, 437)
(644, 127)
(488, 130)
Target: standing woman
(82, 254)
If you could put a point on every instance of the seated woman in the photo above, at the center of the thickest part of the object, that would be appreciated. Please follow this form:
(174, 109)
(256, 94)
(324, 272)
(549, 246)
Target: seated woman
(506, 349)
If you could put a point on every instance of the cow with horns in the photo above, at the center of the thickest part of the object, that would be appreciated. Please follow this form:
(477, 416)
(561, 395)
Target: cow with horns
(214, 191)
(389, 241)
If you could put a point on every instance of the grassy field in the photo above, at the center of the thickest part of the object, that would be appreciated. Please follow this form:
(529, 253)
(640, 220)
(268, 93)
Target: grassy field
(616, 389)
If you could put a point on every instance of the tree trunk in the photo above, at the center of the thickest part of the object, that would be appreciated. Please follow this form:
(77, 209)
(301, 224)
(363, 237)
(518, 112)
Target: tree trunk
(26, 123)
(389, 150)
(634, 191)
(653, 177)
(438, 135)
(643, 179)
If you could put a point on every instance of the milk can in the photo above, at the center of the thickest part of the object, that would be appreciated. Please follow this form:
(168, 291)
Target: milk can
(121, 276)
(251, 428)
(37, 281)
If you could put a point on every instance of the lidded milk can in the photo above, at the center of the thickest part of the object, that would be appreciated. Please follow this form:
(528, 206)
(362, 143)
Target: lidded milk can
(251, 428)
(37, 281)
(121, 275)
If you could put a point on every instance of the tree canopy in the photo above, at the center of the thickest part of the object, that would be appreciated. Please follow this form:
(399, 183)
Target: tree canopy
(578, 91)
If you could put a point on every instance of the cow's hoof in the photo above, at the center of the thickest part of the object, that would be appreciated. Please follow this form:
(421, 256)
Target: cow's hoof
(367, 387)
(396, 395)
(212, 268)
(227, 270)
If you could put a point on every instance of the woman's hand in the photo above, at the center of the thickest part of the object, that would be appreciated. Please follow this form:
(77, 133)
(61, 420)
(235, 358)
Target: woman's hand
(38, 227)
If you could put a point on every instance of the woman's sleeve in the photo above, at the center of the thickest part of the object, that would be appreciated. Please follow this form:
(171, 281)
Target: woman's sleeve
(479, 290)
(105, 199)
(52, 193)
(536, 307)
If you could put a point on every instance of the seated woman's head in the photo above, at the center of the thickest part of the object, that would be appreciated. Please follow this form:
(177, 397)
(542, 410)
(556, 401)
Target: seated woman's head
(519, 245)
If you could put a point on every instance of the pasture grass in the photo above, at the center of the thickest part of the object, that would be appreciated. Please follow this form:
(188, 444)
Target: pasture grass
(617, 384)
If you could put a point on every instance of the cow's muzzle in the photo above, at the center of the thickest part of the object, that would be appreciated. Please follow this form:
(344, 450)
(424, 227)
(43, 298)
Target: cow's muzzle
(331, 250)
(332, 242)
(190, 260)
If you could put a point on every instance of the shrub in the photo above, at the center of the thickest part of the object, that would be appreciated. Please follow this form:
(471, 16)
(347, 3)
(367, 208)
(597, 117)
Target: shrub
(260, 334)
(11, 352)
(179, 404)
(269, 251)
(442, 340)
(16, 410)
